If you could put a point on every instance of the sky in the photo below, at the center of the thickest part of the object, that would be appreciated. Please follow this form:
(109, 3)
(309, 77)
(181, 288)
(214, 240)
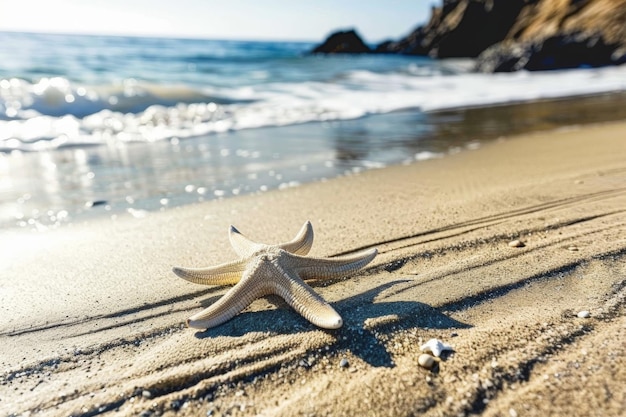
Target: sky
(310, 20)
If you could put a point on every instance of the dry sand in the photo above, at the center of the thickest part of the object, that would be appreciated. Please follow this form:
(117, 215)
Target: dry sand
(92, 317)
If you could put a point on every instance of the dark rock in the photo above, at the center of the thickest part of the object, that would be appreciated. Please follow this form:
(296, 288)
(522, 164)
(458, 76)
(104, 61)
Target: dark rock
(471, 26)
(345, 42)
(502, 57)
(460, 28)
(510, 35)
(551, 35)
(95, 203)
(384, 47)
(576, 50)
(410, 45)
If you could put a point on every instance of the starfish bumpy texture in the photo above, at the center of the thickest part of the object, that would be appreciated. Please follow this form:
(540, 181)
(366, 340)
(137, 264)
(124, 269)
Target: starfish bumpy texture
(272, 269)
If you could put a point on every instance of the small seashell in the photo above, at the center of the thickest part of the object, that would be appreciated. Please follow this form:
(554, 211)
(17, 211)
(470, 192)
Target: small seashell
(516, 244)
(426, 361)
(344, 363)
(584, 314)
(573, 248)
(435, 346)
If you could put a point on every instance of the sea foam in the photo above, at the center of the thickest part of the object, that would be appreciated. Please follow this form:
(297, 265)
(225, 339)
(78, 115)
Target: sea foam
(55, 112)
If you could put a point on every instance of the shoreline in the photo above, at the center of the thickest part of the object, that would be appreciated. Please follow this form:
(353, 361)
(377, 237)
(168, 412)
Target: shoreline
(94, 317)
(99, 186)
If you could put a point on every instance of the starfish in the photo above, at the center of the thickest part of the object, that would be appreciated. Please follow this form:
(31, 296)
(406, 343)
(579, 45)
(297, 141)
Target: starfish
(272, 269)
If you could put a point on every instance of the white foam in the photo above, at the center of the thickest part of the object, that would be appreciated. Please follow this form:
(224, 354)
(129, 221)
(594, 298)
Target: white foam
(54, 113)
(425, 155)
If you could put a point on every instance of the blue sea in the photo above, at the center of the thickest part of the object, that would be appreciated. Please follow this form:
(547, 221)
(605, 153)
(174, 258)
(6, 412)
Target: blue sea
(124, 126)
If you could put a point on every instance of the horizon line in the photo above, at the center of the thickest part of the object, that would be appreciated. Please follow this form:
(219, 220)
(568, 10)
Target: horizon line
(181, 36)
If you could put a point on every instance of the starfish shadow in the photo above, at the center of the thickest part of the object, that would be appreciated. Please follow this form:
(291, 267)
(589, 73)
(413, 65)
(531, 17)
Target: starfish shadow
(361, 333)
(364, 335)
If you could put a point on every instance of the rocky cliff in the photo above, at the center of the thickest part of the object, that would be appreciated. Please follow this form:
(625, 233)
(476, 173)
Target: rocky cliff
(460, 28)
(553, 34)
(509, 35)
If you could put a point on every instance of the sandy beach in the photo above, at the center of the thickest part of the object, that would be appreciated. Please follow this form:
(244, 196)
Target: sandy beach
(93, 318)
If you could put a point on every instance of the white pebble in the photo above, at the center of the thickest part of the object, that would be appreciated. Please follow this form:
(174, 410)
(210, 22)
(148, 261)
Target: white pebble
(583, 314)
(426, 361)
(516, 244)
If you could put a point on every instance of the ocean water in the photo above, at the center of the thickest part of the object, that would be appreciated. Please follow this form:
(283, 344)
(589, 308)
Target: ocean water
(96, 125)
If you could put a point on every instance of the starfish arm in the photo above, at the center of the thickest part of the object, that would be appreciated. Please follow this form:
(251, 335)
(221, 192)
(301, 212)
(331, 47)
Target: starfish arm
(326, 268)
(224, 274)
(243, 246)
(231, 304)
(302, 298)
(276, 269)
(301, 244)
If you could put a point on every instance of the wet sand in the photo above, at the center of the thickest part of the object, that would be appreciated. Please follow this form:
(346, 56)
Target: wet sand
(78, 183)
(93, 316)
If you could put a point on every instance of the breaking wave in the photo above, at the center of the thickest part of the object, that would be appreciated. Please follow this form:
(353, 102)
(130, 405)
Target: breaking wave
(54, 112)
